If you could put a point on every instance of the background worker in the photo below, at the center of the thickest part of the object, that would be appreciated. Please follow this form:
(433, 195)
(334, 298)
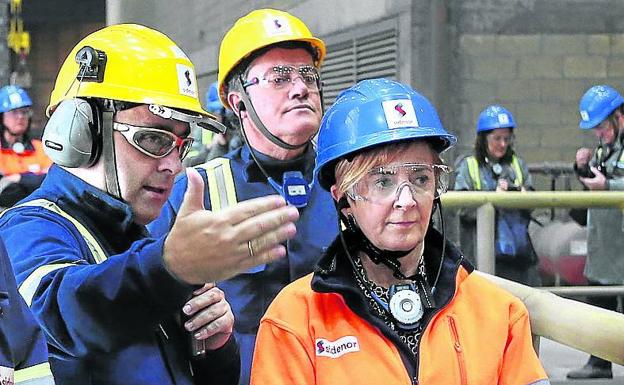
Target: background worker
(269, 76)
(602, 111)
(495, 166)
(221, 144)
(116, 306)
(23, 162)
(391, 302)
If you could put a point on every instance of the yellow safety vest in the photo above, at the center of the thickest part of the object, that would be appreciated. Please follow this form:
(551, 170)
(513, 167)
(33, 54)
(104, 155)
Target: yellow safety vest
(475, 175)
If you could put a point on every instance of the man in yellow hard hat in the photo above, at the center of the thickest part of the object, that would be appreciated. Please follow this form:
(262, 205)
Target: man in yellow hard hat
(116, 306)
(269, 64)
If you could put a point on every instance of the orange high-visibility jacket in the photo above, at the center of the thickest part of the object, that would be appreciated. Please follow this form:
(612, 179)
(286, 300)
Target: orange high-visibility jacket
(319, 331)
(33, 160)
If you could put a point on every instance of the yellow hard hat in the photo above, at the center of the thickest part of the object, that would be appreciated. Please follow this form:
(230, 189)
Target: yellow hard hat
(132, 63)
(257, 30)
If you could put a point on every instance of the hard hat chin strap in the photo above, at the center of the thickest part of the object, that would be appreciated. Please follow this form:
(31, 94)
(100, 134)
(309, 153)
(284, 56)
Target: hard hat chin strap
(248, 106)
(108, 151)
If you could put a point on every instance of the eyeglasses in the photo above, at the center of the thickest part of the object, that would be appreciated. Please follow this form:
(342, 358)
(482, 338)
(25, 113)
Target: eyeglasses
(501, 138)
(154, 142)
(386, 182)
(21, 112)
(281, 76)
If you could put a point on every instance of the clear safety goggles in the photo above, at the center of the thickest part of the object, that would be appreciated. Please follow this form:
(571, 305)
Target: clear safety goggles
(202, 121)
(500, 138)
(281, 76)
(154, 142)
(385, 183)
(24, 112)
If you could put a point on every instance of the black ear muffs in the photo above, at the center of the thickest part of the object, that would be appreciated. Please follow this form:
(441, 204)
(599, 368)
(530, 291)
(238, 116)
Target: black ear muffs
(73, 135)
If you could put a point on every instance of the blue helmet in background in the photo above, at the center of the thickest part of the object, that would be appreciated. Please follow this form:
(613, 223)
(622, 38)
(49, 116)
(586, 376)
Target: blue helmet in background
(371, 113)
(494, 117)
(597, 104)
(13, 97)
(213, 103)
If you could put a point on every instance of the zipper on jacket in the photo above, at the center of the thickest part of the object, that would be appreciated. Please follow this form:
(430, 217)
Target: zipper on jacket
(458, 350)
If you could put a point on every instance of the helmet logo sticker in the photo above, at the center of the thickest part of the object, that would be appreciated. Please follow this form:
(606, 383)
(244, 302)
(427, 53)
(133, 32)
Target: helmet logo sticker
(585, 116)
(15, 98)
(276, 26)
(186, 80)
(503, 118)
(399, 108)
(400, 113)
(337, 348)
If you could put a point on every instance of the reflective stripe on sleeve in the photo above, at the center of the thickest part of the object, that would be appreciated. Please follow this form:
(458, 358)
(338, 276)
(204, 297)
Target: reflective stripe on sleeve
(94, 246)
(35, 375)
(29, 286)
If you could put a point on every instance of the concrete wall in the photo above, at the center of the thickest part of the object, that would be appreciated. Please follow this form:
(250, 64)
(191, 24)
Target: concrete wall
(536, 57)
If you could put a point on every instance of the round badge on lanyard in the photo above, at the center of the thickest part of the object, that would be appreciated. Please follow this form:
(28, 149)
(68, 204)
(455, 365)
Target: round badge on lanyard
(18, 147)
(405, 305)
(497, 169)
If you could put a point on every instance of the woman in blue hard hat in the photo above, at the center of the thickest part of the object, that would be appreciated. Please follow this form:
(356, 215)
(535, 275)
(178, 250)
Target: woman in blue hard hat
(495, 166)
(391, 301)
(602, 111)
(23, 163)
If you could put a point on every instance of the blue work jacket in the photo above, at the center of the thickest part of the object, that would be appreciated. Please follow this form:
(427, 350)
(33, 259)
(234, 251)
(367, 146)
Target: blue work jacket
(250, 293)
(107, 321)
(23, 351)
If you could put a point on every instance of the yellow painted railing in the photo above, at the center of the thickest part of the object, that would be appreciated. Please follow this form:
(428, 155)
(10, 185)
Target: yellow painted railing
(588, 328)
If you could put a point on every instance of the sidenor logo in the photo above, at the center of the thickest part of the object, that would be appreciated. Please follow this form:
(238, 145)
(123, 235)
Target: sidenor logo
(337, 348)
(400, 110)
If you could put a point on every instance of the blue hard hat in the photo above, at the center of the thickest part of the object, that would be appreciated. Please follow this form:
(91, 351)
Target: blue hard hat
(374, 112)
(13, 97)
(494, 117)
(597, 104)
(213, 103)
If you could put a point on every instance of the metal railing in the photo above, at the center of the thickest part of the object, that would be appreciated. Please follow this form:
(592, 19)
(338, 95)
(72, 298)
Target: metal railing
(578, 325)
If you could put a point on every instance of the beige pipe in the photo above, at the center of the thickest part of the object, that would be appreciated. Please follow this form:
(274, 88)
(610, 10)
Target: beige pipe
(580, 326)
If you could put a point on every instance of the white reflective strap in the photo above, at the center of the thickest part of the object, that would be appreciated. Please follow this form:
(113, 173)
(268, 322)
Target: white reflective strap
(94, 246)
(221, 183)
(29, 286)
(35, 375)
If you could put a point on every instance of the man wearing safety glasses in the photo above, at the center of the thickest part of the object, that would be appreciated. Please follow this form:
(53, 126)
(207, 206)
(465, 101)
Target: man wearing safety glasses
(118, 307)
(269, 77)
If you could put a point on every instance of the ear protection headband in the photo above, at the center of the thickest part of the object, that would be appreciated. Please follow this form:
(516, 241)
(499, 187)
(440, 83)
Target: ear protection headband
(73, 135)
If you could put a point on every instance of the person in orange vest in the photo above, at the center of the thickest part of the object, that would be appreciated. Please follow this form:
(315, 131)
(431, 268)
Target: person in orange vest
(391, 301)
(23, 163)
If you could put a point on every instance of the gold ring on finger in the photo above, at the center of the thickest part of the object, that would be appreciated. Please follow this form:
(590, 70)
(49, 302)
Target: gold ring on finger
(250, 248)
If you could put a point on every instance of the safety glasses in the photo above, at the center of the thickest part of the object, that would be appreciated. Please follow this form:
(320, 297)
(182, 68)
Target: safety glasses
(385, 183)
(281, 76)
(25, 112)
(154, 142)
